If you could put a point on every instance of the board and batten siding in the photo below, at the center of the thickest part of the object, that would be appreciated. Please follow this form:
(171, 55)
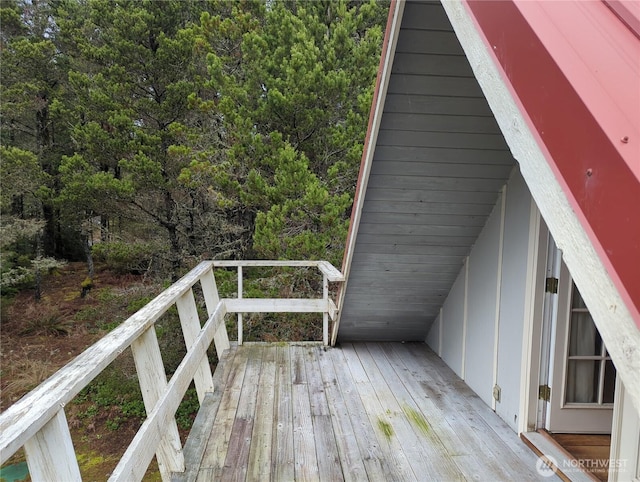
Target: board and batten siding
(480, 335)
(436, 171)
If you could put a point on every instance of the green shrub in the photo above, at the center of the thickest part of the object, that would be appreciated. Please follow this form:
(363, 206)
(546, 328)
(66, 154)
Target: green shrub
(125, 258)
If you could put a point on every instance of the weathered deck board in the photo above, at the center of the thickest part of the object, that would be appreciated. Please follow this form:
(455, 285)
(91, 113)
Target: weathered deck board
(282, 464)
(304, 450)
(363, 411)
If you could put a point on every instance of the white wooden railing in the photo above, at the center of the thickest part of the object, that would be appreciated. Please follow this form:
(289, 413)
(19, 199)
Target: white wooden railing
(38, 423)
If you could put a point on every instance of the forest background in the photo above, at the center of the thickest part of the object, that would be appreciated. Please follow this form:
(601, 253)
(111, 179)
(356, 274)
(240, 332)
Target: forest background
(156, 133)
(142, 136)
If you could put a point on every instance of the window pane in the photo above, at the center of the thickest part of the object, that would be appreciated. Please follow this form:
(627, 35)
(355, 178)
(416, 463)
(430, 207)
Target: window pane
(582, 381)
(576, 299)
(609, 382)
(584, 337)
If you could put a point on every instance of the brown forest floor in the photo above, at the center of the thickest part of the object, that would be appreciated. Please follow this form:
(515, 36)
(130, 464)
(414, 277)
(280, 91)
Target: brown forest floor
(38, 338)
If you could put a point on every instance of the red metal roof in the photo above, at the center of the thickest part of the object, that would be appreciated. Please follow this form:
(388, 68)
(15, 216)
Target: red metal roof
(574, 68)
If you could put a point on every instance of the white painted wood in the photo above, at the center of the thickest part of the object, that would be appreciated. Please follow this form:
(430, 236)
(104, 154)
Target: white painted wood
(153, 384)
(211, 299)
(136, 459)
(27, 416)
(453, 324)
(333, 309)
(496, 325)
(625, 439)
(190, 321)
(563, 417)
(325, 315)
(517, 277)
(481, 298)
(240, 290)
(50, 455)
(264, 263)
(549, 321)
(159, 432)
(275, 305)
(328, 270)
(611, 315)
(532, 328)
(382, 83)
(465, 318)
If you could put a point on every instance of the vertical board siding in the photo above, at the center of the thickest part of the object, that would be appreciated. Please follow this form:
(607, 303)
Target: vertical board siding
(438, 165)
(481, 298)
(513, 298)
(479, 342)
(453, 325)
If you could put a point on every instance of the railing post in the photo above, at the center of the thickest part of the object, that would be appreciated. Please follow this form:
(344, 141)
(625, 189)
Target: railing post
(50, 453)
(211, 299)
(239, 297)
(153, 382)
(325, 314)
(190, 321)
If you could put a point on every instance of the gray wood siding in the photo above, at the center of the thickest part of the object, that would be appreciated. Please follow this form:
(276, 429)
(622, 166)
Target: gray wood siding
(439, 163)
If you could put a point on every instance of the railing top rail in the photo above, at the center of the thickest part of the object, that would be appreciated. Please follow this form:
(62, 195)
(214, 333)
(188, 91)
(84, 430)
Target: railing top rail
(330, 271)
(324, 266)
(259, 262)
(28, 415)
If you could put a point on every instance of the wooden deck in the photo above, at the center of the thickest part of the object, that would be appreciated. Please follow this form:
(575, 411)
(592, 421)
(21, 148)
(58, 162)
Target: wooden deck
(369, 411)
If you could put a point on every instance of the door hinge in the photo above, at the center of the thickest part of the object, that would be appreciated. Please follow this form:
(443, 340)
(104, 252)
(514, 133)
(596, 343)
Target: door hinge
(551, 285)
(496, 392)
(544, 392)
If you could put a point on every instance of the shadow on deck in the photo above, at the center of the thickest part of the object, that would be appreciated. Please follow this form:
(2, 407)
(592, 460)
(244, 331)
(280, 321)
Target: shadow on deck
(364, 411)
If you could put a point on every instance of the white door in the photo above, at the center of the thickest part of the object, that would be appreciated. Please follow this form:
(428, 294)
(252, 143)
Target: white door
(583, 375)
